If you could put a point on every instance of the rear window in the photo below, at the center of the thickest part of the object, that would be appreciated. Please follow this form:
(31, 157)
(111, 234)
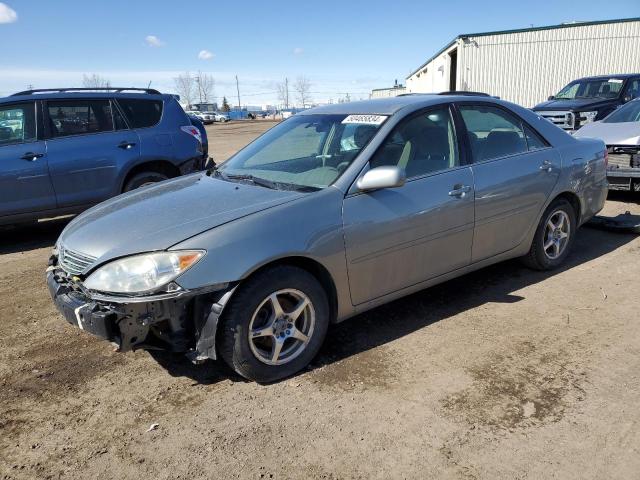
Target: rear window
(141, 113)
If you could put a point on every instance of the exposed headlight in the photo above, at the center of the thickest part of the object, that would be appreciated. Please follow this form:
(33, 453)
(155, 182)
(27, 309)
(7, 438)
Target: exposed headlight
(587, 117)
(142, 273)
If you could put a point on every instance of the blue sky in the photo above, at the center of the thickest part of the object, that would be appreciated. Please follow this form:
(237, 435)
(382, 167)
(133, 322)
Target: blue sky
(341, 46)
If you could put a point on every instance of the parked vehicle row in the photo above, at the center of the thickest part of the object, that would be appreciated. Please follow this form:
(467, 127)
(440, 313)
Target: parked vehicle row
(328, 214)
(621, 132)
(604, 107)
(589, 99)
(64, 150)
(209, 117)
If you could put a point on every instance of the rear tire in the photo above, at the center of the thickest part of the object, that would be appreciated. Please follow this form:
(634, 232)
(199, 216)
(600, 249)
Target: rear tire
(553, 238)
(143, 179)
(252, 309)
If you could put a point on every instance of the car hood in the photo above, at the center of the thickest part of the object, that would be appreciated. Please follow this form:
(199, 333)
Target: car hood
(624, 133)
(576, 104)
(160, 216)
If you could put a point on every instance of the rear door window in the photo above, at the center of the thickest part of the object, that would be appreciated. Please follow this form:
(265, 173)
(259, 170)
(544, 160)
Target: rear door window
(141, 113)
(17, 123)
(534, 141)
(493, 132)
(79, 117)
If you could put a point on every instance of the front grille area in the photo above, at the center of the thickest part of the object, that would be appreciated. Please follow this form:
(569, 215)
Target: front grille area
(619, 160)
(562, 119)
(73, 262)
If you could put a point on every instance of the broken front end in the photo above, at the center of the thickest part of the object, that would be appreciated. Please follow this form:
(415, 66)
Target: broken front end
(623, 171)
(178, 320)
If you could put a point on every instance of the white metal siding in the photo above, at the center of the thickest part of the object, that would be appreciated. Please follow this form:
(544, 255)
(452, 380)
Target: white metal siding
(387, 92)
(527, 67)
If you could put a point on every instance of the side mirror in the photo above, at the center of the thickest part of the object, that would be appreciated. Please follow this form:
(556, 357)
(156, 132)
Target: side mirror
(627, 98)
(382, 177)
(551, 97)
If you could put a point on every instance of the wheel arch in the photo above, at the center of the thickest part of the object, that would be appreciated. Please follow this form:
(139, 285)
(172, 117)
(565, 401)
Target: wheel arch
(159, 166)
(574, 201)
(315, 268)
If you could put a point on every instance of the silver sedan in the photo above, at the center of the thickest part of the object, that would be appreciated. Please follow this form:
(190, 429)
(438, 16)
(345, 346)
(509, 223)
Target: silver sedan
(330, 213)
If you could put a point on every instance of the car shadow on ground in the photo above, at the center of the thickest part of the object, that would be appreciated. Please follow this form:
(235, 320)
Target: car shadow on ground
(26, 237)
(384, 324)
(623, 196)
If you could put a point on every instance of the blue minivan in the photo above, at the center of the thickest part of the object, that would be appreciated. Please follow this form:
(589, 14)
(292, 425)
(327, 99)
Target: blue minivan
(64, 150)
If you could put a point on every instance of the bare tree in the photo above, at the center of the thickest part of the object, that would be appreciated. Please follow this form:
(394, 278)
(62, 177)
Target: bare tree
(283, 92)
(95, 81)
(206, 87)
(185, 87)
(303, 86)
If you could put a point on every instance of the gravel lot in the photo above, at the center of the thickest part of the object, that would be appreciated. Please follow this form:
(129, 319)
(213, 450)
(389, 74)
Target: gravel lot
(505, 373)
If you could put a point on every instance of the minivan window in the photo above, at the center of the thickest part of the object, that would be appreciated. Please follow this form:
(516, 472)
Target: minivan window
(141, 113)
(118, 119)
(17, 123)
(422, 144)
(79, 117)
(493, 133)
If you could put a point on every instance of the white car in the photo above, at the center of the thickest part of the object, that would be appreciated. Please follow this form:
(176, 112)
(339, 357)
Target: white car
(620, 130)
(204, 117)
(220, 117)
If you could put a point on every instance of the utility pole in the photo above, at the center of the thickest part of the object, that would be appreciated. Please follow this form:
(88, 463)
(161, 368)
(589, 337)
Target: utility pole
(286, 89)
(199, 89)
(238, 89)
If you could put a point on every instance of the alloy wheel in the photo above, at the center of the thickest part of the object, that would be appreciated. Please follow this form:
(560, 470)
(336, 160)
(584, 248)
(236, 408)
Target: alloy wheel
(556, 234)
(281, 327)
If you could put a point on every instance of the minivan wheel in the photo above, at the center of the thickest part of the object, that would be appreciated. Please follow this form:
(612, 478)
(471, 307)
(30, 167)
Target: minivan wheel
(553, 238)
(143, 179)
(274, 324)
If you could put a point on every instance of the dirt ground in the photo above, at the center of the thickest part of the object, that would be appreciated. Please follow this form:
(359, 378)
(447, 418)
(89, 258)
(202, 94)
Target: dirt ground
(503, 374)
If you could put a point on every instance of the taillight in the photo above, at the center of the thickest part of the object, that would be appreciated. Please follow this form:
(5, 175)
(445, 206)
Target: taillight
(193, 131)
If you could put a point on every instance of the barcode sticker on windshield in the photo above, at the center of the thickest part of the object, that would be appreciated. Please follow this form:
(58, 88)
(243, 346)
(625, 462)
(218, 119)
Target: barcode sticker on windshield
(365, 119)
(614, 80)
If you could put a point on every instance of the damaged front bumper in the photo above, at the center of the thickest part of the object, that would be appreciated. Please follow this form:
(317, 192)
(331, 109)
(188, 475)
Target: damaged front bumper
(184, 321)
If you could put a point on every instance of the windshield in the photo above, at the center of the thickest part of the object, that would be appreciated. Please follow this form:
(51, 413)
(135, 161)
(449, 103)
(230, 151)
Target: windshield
(596, 88)
(306, 150)
(627, 113)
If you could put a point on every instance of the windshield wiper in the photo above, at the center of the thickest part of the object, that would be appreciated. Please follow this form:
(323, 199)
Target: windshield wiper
(263, 182)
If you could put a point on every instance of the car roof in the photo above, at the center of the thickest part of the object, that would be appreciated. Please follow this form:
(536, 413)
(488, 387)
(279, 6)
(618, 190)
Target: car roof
(602, 77)
(72, 95)
(391, 105)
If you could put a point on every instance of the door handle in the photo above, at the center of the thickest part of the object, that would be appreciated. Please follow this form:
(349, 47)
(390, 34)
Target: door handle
(32, 157)
(546, 166)
(459, 191)
(126, 145)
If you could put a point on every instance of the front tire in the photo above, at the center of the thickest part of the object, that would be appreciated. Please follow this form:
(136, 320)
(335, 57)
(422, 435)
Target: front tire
(274, 324)
(553, 238)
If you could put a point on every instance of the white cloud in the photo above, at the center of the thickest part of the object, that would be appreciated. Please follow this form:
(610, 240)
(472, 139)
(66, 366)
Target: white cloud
(154, 41)
(7, 14)
(298, 51)
(205, 55)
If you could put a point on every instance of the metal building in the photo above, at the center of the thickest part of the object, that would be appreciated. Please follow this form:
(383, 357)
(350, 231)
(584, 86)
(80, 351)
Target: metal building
(397, 89)
(526, 66)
